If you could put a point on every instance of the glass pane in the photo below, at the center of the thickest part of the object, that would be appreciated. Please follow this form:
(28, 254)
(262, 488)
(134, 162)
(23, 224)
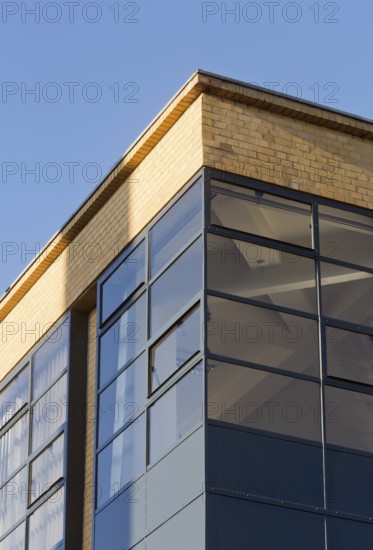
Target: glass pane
(176, 348)
(123, 399)
(14, 396)
(49, 413)
(262, 336)
(349, 355)
(263, 400)
(123, 281)
(346, 236)
(176, 228)
(260, 273)
(16, 539)
(125, 339)
(46, 523)
(347, 294)
(176, 286)
(349, 419)
(176, 412)
(47, 468)
(13, 447)
(261, 214)
(13, 497)
(50, 360)
(121, 461)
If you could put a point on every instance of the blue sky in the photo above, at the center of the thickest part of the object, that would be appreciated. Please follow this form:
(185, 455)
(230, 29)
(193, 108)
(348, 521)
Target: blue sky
(101, 71)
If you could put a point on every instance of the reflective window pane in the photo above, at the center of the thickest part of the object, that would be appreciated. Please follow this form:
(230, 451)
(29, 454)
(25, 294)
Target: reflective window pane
(347, 294)
(13, 447)
(180, 223)
(125, 339)
(121, 461)
(176, 287)
(176, 412)
(349, 355)
(346, 236)
(123, 399)
(47, 468)
(349, 419)
(14, 396)
(123, 281)
(50, 360)
(46, 523)
(49, 413)
(260, 273)
(262, 336)
(261, 214)
(13, 498)
(175, 348)
(263, 400)
(16, 539)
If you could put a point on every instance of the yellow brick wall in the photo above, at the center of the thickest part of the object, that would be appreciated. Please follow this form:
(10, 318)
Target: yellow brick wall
(278, 149)
(161, 174)
(89, 440)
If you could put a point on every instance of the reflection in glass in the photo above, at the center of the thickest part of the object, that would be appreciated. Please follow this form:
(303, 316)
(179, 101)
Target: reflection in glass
(261, 214)
(13, 448)
(13, 498)
(176, 412)
(47, 468)
(176, 286)
(14, 396)
(349, 419)
(347, 294)
(49, 413)
(172, 232)
(125, 339)
(15, 540)
(262, 336)
(260, 273)
(121, 461)
(175, 348)
(346, 236)
(349, 355)
(50, 360)
(123, 399)
(263, 400)
(123, 281)
(46, 523)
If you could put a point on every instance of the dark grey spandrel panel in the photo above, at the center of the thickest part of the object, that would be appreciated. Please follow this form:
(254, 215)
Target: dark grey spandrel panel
(175, 480)
(243, 525)
(243, 463)
(346, 535)
(122, 523)
(349, 483)
(185, 531)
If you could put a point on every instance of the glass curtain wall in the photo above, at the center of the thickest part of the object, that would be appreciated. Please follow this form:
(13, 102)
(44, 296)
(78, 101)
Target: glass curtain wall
(32, 447)
(290, 337)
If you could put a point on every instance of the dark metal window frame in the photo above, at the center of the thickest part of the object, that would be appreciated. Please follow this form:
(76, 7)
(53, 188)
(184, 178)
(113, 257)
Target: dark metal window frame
(313, 253)
(27, 410)
(323, 321)
(73, 429)
(144, 289)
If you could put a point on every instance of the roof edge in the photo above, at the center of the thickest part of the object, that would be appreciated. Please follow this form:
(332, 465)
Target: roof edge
(199, 82)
